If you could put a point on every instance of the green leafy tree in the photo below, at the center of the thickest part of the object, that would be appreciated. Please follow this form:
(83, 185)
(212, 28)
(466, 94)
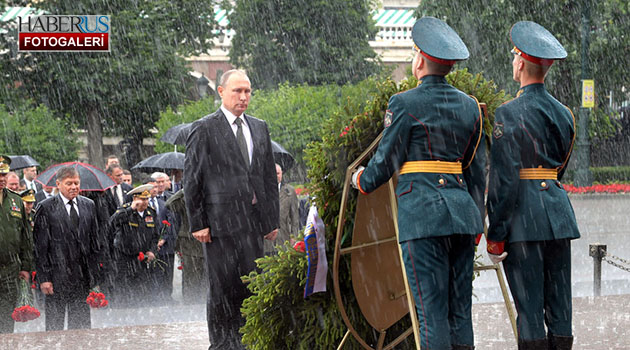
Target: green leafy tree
(303, 41)
(122, 91)
(35, 131)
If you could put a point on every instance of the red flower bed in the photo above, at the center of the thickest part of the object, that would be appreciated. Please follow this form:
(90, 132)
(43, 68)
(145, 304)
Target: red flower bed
(614, 188)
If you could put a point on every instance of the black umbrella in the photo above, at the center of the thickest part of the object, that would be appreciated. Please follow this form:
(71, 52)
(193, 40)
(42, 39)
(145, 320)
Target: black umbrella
(177, 134)
(92, 178)
(21, 162)
(282, 156)
(162, 161)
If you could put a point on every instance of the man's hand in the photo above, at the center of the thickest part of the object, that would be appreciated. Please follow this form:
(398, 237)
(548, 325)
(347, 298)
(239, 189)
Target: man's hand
(497, 258)
(355, 177)
(136, 201)
(47, 288)
(150, 256)
(25, 276)
(161, 243)
(203, 235)
(271, 236)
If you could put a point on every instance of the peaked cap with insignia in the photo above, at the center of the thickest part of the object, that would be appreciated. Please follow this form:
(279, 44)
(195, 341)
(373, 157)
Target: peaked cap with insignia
(142, 191)
(536, 44)
(5, 164)
(438, 42)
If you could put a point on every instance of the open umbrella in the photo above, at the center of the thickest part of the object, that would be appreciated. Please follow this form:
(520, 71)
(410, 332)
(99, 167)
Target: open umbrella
(21, 162)
(177, 134)
(282, 156)
(92, 178)
(162, 161)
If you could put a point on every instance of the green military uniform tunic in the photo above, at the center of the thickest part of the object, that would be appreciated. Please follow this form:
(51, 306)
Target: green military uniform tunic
(439, 213)
(532, 219)
(134, 234)
(16, 254)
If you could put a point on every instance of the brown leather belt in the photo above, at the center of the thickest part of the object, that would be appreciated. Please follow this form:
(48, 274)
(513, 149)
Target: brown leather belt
(538, 174)
(431, 166)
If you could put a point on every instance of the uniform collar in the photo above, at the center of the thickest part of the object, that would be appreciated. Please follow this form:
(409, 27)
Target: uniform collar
(432, 79)
(530, 88)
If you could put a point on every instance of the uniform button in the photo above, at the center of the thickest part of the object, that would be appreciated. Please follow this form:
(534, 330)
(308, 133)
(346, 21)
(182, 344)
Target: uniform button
(461, 181)
(543, 184)
(441, 181)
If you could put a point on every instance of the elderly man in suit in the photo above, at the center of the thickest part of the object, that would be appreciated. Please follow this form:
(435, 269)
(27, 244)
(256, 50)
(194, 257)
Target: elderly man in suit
(67, 252)
(231, 195)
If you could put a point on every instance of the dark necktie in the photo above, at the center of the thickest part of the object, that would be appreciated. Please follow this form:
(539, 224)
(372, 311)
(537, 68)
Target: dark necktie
(240, 139)
(74, 216)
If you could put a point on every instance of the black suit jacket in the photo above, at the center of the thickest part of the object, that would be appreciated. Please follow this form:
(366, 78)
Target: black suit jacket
(39, 196)
(219, 186)
(112, 202)
(65, 257)
(38, 186)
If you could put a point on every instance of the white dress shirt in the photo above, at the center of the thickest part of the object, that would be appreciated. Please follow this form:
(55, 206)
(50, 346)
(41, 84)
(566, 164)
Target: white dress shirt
(246, 131)
(30, 185)
(66, 203)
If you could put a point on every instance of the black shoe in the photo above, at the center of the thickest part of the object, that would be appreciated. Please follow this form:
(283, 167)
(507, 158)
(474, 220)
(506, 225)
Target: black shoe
(560, 342)
(537, 344)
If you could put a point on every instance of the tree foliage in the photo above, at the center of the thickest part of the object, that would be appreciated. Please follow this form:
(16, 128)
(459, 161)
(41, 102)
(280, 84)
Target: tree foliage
(35, 131)
(303, 41)
(127, 88)
(484, 26)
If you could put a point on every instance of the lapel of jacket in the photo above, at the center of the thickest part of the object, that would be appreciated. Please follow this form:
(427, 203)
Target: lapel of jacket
(225, 130)
(83, 211)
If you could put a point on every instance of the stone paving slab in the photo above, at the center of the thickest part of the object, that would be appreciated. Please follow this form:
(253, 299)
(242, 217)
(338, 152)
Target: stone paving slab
(600, 323)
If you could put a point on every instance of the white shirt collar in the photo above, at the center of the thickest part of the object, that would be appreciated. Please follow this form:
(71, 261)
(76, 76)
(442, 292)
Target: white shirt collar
(66, 200)
(231, 117)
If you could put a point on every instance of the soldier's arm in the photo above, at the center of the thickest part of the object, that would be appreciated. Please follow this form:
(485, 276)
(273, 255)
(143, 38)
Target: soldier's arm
(563, 168)
(475, 161)
(505, 162)
(392, 150)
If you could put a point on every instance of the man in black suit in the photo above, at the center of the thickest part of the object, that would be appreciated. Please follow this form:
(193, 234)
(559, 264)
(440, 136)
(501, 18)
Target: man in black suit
(45, 193)
(117, 194)
(67, 252)
(231, 195)
(27, 181)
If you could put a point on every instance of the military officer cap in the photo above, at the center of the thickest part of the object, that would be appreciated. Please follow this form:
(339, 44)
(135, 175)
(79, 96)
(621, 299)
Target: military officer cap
(536, 44)
(28, 195)
(5, 164)
(142, 191)
(438, 42)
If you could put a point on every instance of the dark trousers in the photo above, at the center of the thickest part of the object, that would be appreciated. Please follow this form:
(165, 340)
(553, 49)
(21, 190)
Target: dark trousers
(135, 283)
(8, 299)
(539, 275)
(227, 259)
(74, 300)
(165, 277)
(440, 271)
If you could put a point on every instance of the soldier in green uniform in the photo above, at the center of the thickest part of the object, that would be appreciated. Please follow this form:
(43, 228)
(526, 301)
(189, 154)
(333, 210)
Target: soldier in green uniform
(434, 137)
(28, 197)
(16, 255)
(531, 218)
(194, 281)
(135, 231)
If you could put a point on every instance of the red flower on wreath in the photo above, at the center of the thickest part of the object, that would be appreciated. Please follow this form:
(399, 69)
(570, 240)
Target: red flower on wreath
(164, 222)
(141, 256)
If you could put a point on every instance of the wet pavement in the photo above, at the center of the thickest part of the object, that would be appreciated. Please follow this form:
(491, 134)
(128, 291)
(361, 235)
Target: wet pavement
(599, 322)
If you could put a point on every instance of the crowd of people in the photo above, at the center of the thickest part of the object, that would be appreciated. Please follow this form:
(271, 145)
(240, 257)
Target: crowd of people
(120, 242)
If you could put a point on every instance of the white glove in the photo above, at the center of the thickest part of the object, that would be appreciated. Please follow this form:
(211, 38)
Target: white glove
(497, 258)
(355, 177)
